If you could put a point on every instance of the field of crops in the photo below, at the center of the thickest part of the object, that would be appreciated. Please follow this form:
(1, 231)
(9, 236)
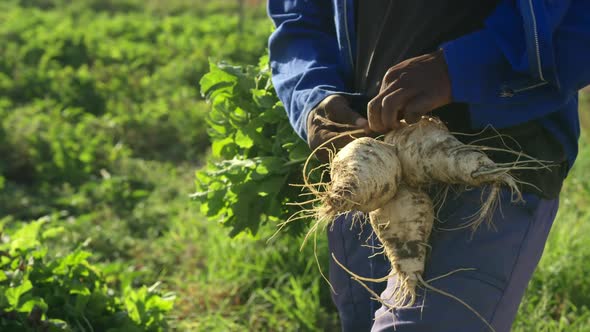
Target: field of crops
(102, 127)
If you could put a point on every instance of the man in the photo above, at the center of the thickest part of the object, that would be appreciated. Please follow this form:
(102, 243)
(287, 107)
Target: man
(516, 65)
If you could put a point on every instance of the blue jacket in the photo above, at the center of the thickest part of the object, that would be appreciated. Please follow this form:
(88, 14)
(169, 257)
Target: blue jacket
(528, 62)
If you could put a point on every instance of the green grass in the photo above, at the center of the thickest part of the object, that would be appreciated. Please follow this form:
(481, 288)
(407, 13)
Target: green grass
(558, 297)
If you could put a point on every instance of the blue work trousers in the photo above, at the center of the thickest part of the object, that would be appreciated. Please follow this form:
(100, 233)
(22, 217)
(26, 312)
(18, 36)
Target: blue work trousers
(503, 260)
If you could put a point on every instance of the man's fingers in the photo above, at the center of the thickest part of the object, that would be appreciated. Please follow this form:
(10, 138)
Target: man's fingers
(391, 76)
(330, 122)
(384, 110)
(353, 122)
(417, 107)
(390, 111)
(374, 116)
(385, 91)
(393, 105)
(339, 116)
(412, 118)
(375, 109)
(349, 117)
(342, 113)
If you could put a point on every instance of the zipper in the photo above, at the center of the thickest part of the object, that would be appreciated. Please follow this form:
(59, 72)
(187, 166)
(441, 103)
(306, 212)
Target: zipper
(517, 87)
(510, 92)
(536, 35)
(351, 59)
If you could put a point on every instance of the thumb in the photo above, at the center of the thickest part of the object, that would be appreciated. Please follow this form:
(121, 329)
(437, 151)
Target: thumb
(337, 109)
(348, 117)
(418, 107)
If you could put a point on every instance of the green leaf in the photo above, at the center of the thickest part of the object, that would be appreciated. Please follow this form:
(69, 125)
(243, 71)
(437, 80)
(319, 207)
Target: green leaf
(271, 185)
(76, 287)
(224, 147)
(53, 232)
(239, 117)
(216, 79)
(298, 151)
(26, 237)
(216, 203)
(266, 166)
(14, 294)
(30, 304)
(243, 140)
(263, 99)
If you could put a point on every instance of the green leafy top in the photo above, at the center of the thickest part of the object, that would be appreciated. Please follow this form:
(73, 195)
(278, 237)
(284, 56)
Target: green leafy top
(256, 155)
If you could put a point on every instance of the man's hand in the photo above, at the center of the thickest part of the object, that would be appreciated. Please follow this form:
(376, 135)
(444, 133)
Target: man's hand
(332, 117)
(409, 90)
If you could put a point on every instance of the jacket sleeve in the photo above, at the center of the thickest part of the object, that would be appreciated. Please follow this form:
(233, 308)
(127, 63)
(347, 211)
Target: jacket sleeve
(481, 63)
(304, 57)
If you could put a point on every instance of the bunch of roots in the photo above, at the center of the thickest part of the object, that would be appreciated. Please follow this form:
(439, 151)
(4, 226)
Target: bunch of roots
(389, 179)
